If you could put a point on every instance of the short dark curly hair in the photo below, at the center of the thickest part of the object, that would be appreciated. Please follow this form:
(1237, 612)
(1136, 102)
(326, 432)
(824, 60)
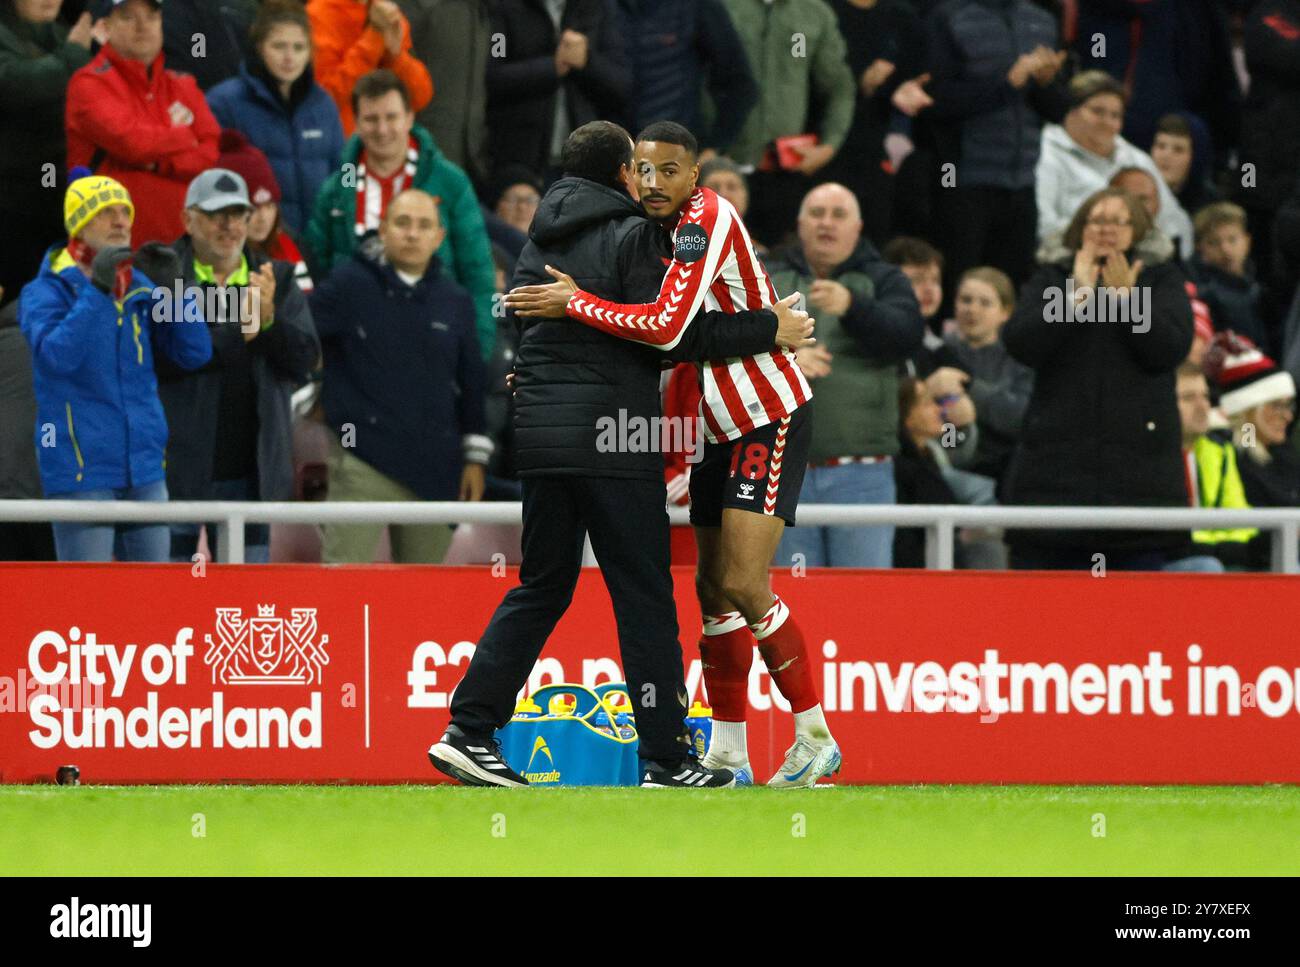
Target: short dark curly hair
(670, 132)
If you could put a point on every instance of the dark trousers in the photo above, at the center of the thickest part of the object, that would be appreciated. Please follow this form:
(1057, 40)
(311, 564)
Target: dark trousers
(985, 226)
(257, 537)
(629, 535)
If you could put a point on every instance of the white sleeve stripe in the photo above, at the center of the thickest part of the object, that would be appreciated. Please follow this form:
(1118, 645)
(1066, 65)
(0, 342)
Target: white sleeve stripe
(711, 268)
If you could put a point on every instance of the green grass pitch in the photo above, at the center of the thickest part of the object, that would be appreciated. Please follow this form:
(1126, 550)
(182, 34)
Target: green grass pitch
(428, 830)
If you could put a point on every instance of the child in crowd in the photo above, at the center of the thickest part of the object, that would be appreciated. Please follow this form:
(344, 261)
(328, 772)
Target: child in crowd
(1225, 276)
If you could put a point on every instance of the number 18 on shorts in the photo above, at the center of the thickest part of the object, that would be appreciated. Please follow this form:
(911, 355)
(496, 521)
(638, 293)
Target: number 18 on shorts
(761, 472)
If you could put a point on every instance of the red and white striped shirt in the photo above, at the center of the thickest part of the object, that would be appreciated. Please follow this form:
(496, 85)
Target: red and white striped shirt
(714, 267)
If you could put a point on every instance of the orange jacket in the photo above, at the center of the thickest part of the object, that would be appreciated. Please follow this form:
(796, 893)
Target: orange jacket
(119, 121)
(346, 48)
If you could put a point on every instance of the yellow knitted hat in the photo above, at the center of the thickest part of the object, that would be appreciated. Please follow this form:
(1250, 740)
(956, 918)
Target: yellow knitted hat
(87, 196)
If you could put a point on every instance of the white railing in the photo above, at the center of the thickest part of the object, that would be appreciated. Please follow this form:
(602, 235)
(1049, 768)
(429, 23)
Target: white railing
(939, 520)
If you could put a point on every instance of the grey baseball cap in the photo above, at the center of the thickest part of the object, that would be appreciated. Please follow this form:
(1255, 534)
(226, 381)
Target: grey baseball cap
(215, 189)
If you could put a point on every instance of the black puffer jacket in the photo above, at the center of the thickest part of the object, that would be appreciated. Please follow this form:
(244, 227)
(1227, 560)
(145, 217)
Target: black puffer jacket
(1102, 426)
(570, 376)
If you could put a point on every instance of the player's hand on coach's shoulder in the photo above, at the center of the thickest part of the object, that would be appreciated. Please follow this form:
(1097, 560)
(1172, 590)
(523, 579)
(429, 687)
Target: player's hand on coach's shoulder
(543, 301)
(794, 327)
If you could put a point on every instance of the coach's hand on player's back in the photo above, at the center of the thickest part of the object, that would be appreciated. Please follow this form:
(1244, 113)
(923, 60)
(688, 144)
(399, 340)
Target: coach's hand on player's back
(545, 301)
(794, 327)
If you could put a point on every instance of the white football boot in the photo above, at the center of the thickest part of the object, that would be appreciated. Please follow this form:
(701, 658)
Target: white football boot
(805, 762)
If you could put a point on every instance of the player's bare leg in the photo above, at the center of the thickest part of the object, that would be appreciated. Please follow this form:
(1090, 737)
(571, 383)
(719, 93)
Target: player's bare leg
(737, 570)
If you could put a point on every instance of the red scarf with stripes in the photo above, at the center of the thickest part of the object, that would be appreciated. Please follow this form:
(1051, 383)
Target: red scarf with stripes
(84, 255)
(388, 187)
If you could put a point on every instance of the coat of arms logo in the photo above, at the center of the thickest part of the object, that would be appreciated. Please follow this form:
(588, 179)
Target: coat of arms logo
(267, 649)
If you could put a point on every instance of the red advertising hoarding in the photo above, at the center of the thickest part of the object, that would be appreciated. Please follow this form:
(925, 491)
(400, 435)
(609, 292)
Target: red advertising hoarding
(156, 673)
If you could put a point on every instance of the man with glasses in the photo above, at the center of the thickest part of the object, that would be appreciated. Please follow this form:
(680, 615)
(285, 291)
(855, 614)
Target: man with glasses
(520, 194)
(230, 422)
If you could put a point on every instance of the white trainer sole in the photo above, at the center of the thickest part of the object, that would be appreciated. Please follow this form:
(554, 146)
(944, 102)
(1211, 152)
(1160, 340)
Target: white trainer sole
(660, 785)
(451, 761)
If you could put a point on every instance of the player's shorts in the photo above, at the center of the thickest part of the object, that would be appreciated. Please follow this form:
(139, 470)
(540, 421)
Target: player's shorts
(761, 471)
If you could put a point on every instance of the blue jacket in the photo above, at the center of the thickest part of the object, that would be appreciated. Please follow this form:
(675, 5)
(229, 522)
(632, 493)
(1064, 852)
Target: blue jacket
(302, 139)
(402, 366)
(99, 423)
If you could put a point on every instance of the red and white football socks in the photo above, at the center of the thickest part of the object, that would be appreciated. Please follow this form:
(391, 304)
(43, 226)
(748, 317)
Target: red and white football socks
(781, 644)
(726, 652)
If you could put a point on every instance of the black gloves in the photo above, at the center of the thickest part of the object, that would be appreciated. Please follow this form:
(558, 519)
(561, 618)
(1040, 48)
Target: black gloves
(159, 262)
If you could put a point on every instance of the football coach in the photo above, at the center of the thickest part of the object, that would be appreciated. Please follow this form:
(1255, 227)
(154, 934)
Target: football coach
(570, 380)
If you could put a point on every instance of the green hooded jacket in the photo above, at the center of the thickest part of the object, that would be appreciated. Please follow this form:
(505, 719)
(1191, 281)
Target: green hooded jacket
(466, 251)
(797, 53)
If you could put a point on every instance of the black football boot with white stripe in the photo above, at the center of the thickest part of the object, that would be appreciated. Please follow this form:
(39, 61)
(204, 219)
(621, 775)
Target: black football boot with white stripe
(687, 774)
(473, 761)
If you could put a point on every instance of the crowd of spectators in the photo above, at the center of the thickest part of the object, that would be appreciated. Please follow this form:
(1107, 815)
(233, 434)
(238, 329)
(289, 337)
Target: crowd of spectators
(1052, 247)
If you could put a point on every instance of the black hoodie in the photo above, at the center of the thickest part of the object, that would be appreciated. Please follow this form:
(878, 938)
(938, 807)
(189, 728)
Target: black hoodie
(571, 377)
